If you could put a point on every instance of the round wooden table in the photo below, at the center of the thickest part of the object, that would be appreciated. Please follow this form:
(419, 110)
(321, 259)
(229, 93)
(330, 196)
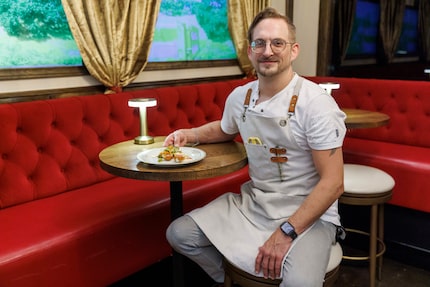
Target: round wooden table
(356, 119)
(221, 158)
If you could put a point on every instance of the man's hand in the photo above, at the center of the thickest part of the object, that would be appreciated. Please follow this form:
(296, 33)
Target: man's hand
(177, 138)
(270, 255)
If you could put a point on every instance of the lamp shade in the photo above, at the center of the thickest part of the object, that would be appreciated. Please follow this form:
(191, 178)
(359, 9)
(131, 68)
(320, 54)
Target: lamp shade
(329, 86)
(142, 102)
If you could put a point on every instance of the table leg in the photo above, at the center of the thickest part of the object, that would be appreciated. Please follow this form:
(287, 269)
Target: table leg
(176, 210)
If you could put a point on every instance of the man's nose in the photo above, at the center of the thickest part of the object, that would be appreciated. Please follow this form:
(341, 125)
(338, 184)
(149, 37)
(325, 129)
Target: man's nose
(268, 48)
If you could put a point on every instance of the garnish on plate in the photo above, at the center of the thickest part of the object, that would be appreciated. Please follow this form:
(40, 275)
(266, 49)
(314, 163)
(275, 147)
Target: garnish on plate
(172, 153)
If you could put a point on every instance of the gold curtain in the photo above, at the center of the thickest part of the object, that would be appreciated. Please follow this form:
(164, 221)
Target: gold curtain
(114, 37)
(390, 26)
(240, 15)
(345, 17)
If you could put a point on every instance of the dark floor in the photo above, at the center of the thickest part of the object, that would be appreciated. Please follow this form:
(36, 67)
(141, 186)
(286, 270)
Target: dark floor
(394, 274)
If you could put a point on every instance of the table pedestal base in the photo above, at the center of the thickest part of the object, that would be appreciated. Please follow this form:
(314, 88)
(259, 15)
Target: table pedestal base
(176, 210)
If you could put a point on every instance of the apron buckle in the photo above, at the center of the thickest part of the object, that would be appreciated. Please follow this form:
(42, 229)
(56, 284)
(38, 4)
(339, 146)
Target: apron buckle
(279, 159)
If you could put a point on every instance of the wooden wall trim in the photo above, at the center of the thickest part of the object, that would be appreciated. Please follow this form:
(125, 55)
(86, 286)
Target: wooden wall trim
(100, 89)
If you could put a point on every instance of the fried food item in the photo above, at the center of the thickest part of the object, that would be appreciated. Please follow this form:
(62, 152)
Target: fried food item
(172, 152)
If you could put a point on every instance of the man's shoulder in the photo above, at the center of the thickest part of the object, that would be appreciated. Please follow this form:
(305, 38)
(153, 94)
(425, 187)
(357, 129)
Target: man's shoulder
(311, 84)
(246, 87)
(240, 91)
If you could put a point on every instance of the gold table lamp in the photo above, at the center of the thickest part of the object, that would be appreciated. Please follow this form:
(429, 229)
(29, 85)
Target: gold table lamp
(142, 104)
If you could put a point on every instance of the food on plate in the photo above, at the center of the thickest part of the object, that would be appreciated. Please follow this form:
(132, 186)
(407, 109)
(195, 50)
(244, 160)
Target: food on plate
(172, 153)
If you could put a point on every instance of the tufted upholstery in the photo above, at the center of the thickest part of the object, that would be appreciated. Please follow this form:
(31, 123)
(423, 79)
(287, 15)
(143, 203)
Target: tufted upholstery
(61, 216)
(49, 147)
(402, 148)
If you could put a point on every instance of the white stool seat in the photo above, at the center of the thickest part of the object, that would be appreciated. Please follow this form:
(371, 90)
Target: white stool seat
(366, 179)
(369, 186)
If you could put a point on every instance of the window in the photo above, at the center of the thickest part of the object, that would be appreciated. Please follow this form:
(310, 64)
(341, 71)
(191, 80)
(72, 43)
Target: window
(408, 43)
(363, 42)
(185, 32)
(365, 32)
(40, 37)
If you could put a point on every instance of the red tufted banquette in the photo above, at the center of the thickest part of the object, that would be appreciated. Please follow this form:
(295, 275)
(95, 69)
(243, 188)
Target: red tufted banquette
(66, 222)
(402, 148)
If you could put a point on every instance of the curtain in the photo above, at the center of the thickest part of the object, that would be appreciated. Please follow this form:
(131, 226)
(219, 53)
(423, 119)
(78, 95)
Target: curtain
(390, 26)
(424, 27)
(240, 15)
(114, 37)
(345, 15)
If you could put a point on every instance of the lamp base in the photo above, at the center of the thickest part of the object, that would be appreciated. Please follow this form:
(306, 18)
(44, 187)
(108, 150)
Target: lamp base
(143, 140)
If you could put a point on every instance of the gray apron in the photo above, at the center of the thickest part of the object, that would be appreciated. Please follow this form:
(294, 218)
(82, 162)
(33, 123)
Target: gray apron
(282, 176)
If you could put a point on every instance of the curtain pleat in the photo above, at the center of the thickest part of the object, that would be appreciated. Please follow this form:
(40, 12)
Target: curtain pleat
(114, 37)
(424, 28)
(346, 15)
(390, 26)
(240, 15)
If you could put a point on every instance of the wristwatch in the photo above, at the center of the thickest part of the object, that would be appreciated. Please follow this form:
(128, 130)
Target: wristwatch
(288, 230)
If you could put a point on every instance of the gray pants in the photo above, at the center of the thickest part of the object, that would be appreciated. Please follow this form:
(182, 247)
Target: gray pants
(305, 265)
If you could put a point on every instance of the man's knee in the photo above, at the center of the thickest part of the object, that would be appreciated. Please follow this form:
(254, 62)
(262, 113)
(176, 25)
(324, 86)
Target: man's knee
(180, 231)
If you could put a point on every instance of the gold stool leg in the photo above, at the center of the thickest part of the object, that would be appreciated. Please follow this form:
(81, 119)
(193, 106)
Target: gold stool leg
(228, 282)
(380, 236)
(373, 243)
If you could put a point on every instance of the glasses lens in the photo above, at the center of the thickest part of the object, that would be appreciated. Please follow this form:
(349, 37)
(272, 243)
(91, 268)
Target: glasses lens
(259, 45)
(278, 45)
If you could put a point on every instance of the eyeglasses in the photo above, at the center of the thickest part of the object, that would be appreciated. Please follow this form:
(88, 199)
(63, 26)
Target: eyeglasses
(277, 45)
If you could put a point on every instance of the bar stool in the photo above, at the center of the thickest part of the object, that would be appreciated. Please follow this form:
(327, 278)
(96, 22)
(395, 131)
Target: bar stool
(369, 186)
(244, 279)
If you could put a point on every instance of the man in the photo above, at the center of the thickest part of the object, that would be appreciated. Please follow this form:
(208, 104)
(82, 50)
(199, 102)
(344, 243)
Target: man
(285, 219)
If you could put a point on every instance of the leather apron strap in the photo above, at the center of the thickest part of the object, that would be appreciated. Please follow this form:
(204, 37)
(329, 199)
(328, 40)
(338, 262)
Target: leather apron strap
(294, 98)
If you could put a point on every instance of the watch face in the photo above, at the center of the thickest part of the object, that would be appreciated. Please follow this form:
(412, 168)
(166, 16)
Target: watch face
(287, 228)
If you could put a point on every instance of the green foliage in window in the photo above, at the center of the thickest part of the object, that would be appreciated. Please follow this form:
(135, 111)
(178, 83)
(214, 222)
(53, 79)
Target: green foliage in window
(35, 33)
(34, 20)
(214, 26)
(177, 8)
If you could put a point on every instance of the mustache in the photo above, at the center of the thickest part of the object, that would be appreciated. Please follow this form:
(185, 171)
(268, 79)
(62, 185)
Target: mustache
(268, 59)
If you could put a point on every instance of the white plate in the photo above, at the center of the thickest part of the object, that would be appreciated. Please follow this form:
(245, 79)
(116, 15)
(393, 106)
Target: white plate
(151, 156)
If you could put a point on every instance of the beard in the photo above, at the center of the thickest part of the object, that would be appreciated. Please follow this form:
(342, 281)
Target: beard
(269, 67)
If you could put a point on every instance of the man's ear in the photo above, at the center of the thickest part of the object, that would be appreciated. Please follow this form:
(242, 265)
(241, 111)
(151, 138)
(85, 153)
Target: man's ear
(295, 51)
(249, 52)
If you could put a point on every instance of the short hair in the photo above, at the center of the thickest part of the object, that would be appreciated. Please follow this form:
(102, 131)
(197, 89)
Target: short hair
(272, 13)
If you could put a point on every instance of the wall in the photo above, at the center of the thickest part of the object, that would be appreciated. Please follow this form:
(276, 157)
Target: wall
(306, 64)
(306, 19)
